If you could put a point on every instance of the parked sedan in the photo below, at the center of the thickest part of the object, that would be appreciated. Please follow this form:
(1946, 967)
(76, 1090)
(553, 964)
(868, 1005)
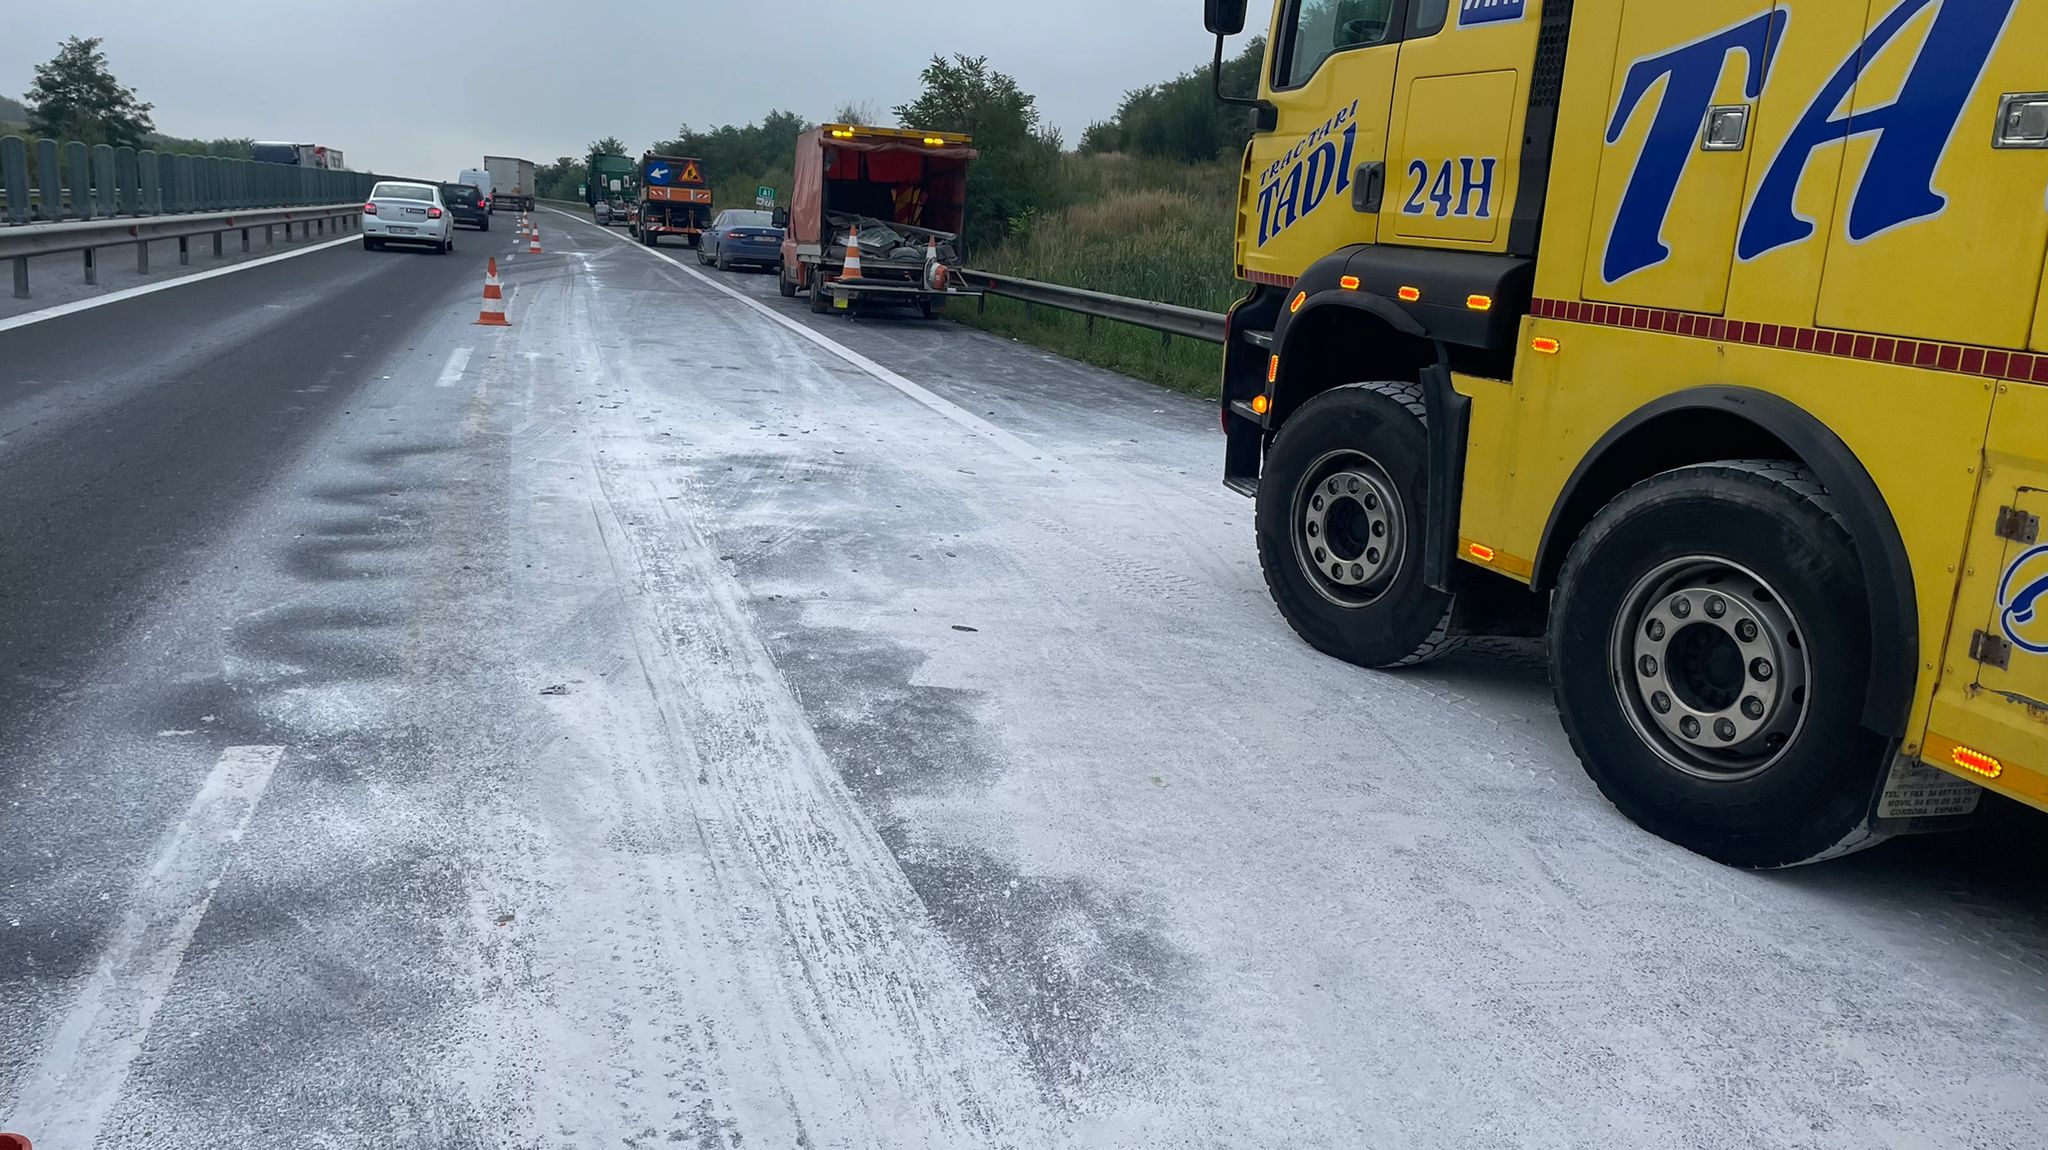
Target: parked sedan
(742, 236)
(407, 213)
(467, 204)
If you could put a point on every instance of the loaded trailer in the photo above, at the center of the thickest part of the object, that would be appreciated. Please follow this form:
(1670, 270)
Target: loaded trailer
(897, 198)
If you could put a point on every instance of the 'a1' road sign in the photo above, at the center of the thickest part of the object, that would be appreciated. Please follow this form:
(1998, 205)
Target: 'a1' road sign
(764, 197)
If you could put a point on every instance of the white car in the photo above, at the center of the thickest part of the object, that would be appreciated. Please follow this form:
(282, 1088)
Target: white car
(407, 213)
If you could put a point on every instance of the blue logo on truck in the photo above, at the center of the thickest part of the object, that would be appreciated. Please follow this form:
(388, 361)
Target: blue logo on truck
(1944, 58)
(2023, 602)
(1472, 12)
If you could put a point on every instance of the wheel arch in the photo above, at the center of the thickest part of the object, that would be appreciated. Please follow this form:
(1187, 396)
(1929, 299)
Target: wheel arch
(1704, 424)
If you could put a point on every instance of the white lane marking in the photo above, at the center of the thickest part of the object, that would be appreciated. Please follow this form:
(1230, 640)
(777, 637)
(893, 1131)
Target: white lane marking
(458, 362)
(1009, 442)
(85, 1064)
(76, 306)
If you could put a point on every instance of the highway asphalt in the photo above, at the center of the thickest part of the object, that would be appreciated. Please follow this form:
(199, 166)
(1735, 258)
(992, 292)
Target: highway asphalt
(681, 719)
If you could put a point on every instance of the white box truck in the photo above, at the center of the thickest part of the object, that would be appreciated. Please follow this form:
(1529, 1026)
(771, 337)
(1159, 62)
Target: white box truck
(511, 182)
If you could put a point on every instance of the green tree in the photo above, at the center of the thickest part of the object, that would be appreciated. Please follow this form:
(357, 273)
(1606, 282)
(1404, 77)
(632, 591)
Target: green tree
(1017, 177)
(861, 113)
(1181, 119)
(609, 146)
(561, 180)
(75, 97)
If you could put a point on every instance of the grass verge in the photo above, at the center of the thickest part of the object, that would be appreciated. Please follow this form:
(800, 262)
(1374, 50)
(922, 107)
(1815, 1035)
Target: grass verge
(1145, 228)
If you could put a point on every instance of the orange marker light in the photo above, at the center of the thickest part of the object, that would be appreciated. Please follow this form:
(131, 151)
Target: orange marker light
(1295, 305)
(1976, 762)
(1273, 369)
(1410, 294)
(1543, 345)
(1261, 404)
(1479, 302)
(1348, 283)
(1480, 551)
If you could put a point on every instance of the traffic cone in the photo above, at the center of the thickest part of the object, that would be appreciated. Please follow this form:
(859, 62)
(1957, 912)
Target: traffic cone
(934, 271)
(852, 271)
(533, 249)
(493, 314)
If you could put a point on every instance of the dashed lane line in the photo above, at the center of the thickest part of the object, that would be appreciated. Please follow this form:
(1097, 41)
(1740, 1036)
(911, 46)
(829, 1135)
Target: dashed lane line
(85, 1063)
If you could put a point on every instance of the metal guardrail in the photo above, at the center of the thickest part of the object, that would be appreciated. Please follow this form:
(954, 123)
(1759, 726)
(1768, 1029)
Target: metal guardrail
(88, 237)
(1165, 318)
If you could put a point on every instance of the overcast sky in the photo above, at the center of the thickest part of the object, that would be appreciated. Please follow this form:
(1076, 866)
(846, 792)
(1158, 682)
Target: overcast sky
(522, 77)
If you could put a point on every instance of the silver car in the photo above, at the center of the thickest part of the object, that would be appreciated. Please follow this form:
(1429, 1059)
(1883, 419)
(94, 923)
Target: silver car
(402, 212)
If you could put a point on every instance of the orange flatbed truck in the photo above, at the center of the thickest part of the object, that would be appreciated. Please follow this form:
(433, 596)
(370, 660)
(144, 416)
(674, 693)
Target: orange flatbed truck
(675, 200)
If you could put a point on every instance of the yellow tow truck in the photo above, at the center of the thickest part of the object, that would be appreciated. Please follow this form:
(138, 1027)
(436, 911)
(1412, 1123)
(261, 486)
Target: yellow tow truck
(1707, 340)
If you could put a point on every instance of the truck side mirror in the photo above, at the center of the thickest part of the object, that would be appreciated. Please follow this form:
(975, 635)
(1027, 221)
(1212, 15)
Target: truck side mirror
(781, 218)
(1224, 17)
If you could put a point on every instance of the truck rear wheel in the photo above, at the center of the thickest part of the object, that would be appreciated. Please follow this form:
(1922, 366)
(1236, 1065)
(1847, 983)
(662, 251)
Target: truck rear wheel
(820, 302)
(784, 284)
(1709, 646)
(1340, 514)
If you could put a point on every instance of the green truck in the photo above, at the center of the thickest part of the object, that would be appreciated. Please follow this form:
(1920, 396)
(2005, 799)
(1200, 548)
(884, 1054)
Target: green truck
(612, 189)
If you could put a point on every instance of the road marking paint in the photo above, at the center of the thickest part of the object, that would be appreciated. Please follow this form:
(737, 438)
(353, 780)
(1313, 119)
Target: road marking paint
(85, 1064)
(1008, 441)
(63, 309)
(458, 362)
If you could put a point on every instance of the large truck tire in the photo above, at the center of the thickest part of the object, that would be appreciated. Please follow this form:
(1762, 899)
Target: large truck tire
(784, 284)
(820, 302)
(1340, 514)
(1710, 646)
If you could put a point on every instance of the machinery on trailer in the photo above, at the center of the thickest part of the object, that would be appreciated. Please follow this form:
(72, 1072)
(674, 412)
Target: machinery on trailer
(896, 198)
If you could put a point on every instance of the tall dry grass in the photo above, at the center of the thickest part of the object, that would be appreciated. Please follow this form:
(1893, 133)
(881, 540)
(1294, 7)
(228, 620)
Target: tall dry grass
(1135, 226)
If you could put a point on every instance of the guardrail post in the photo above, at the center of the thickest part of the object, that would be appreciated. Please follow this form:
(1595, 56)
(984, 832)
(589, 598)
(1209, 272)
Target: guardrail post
(245, 239)
(127, 185)
(14, 172)
(77, 169)
(103, 181)
(184, 251)
(52, 177)
(1091, 327)
(92, 268)
(217, 237)
(20, 277)
(269, 235)
(142, 257)
(148, 171)
(1165, 340)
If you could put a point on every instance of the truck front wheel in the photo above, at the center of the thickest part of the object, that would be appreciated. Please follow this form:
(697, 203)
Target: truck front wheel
(784, 284)
(1340, 514)
(1709, 647)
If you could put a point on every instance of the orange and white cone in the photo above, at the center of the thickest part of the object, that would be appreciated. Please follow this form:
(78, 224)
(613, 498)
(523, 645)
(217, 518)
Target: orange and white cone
(493, 314)
(533, 248)
(852, 271)
(934, 271)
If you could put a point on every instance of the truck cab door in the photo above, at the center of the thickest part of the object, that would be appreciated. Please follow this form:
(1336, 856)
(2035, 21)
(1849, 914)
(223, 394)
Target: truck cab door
(1314, 182)
(1460, 115)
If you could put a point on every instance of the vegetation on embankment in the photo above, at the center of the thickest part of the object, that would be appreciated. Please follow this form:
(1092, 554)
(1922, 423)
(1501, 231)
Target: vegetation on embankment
(1146, 227)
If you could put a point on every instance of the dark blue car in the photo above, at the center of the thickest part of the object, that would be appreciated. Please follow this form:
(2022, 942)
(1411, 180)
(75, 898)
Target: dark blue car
(742, 236)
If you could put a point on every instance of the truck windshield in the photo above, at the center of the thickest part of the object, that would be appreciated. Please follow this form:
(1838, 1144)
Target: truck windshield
(1322, 28)
(275, 153)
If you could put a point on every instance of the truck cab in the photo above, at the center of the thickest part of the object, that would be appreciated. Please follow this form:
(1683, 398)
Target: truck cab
(1707, 340)
(675, 200)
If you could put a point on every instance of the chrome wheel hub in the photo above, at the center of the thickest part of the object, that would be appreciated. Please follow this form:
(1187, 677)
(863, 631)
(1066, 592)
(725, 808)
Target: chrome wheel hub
(1711, 668)
(1348, 528)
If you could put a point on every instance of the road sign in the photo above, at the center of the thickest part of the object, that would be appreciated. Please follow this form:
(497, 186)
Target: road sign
(764, 197)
